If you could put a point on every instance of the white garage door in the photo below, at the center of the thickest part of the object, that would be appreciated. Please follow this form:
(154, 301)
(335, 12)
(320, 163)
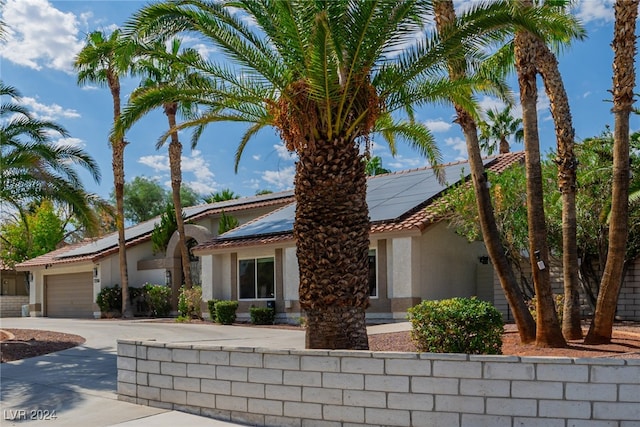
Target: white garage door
(69, 295)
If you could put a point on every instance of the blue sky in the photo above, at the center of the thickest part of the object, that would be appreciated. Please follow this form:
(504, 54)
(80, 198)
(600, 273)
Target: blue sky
(44, 36)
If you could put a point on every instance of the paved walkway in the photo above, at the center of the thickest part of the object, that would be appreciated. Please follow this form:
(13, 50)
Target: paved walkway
(79, 384)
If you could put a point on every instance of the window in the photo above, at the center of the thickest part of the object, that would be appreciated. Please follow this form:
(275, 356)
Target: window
(256, 278)
(373, 274)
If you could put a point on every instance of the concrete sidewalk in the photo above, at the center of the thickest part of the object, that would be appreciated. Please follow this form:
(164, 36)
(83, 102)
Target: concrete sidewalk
(79, 384)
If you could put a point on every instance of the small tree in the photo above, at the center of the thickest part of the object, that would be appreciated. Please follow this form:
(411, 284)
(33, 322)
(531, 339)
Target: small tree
(227, 222)
(162, 232)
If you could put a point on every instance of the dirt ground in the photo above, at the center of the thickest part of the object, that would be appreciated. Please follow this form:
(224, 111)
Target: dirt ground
(27, 343)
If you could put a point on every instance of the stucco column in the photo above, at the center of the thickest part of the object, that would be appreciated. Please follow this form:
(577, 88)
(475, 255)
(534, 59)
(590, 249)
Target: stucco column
(405, 275)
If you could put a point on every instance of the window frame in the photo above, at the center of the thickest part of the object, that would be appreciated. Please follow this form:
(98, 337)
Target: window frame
(255, 278)
(374, 252)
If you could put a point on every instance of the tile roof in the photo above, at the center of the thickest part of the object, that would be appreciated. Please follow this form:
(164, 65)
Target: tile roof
(92, 250)
(418, 217)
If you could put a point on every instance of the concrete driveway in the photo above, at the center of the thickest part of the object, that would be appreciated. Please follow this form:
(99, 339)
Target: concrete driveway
(78, 386)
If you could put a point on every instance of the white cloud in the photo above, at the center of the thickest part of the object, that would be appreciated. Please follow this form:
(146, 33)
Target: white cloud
(438, 125)
(281, 179)
(157, 162)
(283, 153)
(256, 157)
(401, 162)
(194, 166)
(594, 10)
(39, 35)
(75, 142)
(458, 145)
(586, 94)
(51, 112)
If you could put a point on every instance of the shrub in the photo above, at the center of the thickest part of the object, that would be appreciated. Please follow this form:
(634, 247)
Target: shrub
(262, 315)
(110, 299)
(158, 298)
(457, 325)
(211, 305)
(226, 312)
(189, 302)
(558, 299)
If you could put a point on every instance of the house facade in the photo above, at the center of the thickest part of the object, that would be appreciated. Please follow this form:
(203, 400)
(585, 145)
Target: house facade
(66, 282)
(413, 255)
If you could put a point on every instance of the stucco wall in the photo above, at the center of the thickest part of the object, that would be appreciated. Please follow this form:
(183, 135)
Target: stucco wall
(448, 264)
(339, 388)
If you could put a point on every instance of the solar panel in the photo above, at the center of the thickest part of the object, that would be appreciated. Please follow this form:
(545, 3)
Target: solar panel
(278, 221)
(389, 196)
(146, 227)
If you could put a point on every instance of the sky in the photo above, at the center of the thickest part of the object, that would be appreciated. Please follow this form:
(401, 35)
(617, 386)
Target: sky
(45, 35)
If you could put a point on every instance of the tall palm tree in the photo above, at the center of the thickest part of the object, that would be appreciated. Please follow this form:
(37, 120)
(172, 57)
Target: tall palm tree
(567, 162)
(445, 15)
(624, 77)
(548, 331)
(162, 68)
(324, 74)
(103, 60)
(33, 167)
(498, 127)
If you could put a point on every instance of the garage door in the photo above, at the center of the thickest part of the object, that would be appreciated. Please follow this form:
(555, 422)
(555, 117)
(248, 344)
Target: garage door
(69, 295)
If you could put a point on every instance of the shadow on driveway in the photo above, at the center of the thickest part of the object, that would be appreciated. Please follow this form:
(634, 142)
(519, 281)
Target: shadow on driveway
(57, 382)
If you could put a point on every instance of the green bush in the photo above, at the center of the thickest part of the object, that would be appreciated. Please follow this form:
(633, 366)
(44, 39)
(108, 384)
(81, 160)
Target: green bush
(211, 305)
(226, 312)
(189, 302)
(110, 299)
(158, 299)
(262, 315)
(457, 325)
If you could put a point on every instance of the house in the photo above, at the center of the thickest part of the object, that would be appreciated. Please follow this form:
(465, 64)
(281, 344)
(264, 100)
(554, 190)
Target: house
(412, 255)
(66, 282)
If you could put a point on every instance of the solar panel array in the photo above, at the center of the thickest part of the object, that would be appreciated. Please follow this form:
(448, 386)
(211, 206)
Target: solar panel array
(146, 227)
(389, 197)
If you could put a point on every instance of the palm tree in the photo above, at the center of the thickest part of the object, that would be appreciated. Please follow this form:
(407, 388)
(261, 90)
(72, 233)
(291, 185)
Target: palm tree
(567, 162)
(103, 60)
(624, 77)
(325, 75)
(445, 15)
(162, 68)
(548, 332)
(373, 166)
(221, 196)
(33, 167)
(498, 127)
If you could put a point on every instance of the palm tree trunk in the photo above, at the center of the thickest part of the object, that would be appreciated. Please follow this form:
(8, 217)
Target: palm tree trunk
(504, 145)
(175, 154)
(332, 238)
(117, 163)
(624, 77)
(567, 165)
(444, 15)
(548, 332)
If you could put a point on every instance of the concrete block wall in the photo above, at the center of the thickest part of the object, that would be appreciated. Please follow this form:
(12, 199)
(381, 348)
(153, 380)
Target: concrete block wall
(11, 305)
(628, 301)
(355, 388)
